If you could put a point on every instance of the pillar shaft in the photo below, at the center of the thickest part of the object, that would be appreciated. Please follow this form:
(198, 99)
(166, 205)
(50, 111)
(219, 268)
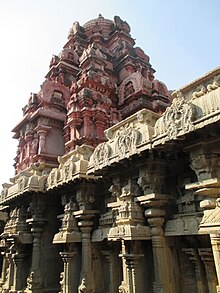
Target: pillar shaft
(18, 271)
(199, 269)
(215, 241)
(85, 225)
(35, 279)
(113, 272)
(68, 284)
(160, 265)
(10, 271)
(130, 268)
(208, 261)
(4, 268)
(162, 274)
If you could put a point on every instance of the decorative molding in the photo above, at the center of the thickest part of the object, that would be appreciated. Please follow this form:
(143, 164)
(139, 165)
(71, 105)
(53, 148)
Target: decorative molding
(194, 106)
(69, 232)
(210, 223)
(177, 119)
(73, 165)
(125, 139)
(184, 225)
(127, 214)
(31, 180)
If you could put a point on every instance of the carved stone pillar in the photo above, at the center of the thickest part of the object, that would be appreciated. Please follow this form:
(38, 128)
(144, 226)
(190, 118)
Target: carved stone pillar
(19, 277)
(207, 259)
(207, 190)
(100, 124)
(35, 279)
(199, 270)
(107, 256)
(42, 141)
(87, 123)
(155, 216)
(125, 282)
(113, 273)
(130, 267)
(42, 131)
(9, 272)
(4, 268)
(68, 284)
(215, 241)
(161, 267)
(85, 224)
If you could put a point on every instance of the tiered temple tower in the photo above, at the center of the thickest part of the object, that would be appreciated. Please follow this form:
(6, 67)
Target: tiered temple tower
(98, 79)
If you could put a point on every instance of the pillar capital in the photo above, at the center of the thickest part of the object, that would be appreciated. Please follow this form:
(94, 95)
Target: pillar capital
(67, 256)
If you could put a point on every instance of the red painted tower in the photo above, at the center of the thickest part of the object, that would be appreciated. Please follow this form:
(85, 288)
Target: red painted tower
(99, 78)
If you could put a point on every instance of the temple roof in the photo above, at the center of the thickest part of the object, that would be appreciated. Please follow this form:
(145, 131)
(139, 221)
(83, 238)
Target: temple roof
(101, 21)
(105, 26)
(100, 24)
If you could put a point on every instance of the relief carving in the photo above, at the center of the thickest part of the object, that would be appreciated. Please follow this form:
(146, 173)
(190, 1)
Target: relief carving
(101, 154)
(130, 85)
(178, 118)
(123, 288)
(34, 281)
(127, 138)
(121, 24)
(82, 287)
(53, 177)
(67, 168)
(201, 90)
(215, 84)
(62, 282)
(22, 182)
(131, 189)
(211, 217)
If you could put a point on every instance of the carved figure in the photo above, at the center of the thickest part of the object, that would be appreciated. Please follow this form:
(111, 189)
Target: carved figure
(115, 190)
(118, 22)
(215, 84)
(30, 280)
(53, 177)
(200, 92)
(127, 138)
(75, 27)
(122, 288)
(82, 287)
(101, 154)
(21, 183)
(34, 145)
(33, 100)
(178, 117)
(218, 202)
(61, 281)
(121, 25)
(54, 60)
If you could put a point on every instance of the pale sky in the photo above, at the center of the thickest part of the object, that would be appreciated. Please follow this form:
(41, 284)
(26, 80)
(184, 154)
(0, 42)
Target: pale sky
(180, 36)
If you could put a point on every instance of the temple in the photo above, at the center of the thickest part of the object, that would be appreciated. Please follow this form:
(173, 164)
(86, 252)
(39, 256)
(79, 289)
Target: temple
(117, 179)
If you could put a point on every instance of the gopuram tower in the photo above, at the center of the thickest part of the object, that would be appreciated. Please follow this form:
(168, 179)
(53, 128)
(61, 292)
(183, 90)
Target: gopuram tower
(98, 79)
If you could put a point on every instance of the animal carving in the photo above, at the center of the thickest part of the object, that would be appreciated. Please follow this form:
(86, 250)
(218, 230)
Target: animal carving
(200, 92)
(215, 84)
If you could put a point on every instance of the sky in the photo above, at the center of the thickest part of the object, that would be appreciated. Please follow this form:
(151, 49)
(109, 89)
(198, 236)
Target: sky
(180, 36)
